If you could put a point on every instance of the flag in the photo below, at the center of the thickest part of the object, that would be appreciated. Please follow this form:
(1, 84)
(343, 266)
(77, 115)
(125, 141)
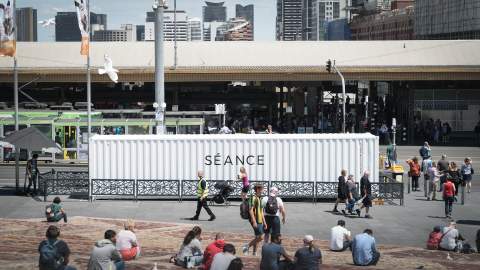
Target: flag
(8, 44)
(83, 23)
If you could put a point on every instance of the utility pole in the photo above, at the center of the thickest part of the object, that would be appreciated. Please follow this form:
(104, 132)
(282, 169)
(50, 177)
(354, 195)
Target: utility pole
(175, 33)
(329, 69)
(159, 6)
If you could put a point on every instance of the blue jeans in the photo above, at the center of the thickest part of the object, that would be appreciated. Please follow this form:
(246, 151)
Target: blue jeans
(120, 265)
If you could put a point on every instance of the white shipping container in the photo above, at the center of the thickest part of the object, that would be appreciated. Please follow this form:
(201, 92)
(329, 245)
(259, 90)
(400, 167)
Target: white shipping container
(277, 157)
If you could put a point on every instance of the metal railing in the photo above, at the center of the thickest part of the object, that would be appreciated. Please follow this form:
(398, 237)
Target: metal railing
(68, 183)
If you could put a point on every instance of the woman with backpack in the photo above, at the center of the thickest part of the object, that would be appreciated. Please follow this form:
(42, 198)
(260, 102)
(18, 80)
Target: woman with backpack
(414, 172)
(190, 254)
(273, 207)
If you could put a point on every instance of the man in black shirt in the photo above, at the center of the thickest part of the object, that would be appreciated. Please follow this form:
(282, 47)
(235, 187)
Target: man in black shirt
(341, 190)
(366, 194)
(442, 166)
(32, 174)
(54, 253)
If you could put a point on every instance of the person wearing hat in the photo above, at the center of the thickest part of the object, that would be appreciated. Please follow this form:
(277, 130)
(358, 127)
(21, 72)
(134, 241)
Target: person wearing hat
(272, 208)
(309, 257)
(467, 172)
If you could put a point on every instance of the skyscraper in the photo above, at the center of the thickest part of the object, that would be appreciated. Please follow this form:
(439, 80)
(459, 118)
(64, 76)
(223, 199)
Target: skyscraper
(289, 20)
(325, 11)
(307, 19)
(140, 32)
(66, 25)
(447, 19)
(127, 32)
(214, 12)
(246, 12)
(168, 26)
(194, 29)
(238, 29)
(26, 20)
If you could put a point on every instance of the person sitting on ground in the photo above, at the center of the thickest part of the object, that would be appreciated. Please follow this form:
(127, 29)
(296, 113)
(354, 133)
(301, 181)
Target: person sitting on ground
(340, 237)
(212, 250)
(271, 254)
(309, 257)
(222, 260)
(105, 255)
(236, 264)
(55, 212)
(190, 254)
(127, 243)
(477, 241)
(434, 238)
(54, 253)
(364, 249)
(450, 238)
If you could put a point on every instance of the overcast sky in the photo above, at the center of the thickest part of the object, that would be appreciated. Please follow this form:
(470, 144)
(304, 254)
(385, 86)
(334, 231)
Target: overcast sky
(133, 11)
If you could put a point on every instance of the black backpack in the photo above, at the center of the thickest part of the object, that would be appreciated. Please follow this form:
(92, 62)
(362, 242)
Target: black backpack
(272, 206)
(245, 210)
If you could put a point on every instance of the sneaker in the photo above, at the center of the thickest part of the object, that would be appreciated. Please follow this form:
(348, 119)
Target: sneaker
(368, 216)
(344, 213)
(212, 218)
(335, 210)
(428, 199)
(245, 250)
(193, 218)
(358, 212)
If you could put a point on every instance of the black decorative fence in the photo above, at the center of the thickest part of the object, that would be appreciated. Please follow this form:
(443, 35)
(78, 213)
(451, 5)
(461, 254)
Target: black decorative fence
(69, 183)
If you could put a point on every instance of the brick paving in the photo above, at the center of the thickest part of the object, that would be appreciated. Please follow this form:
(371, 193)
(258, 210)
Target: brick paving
(159, 240)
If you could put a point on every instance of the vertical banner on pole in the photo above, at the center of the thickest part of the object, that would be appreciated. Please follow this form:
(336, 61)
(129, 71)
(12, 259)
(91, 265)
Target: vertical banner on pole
(84, 24)
(8, 43)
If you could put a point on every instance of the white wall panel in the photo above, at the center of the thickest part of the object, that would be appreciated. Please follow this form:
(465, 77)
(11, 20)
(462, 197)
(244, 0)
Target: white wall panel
(278, 157)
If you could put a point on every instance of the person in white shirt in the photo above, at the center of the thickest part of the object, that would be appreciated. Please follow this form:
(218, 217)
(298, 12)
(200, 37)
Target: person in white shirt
(340, 238)
(272, 208)
(222, 260)
(434, 177)
(450, 238)
(127, 243)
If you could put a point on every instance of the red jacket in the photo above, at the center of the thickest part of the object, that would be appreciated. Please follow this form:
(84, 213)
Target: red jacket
(448, 189)
(211, 251)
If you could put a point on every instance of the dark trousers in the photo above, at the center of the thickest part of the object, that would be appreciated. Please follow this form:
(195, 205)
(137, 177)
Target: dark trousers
(414, 182)
(375, 258)
(57, 217)
(448, 205)
(32, 180)
(273, 225)
(203, 203)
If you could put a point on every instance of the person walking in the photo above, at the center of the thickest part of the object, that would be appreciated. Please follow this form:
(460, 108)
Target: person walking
(414, 172)
(366, 194)
(273, 207)
(455, 176)
(341, 190)
(202, 194)
(448, 195)
(32, 174)
(257, 219)
(443, 166)
(425, 151)
(467, 172)
(434, 177)
(242, 176)
(426, 165)
(352, 195)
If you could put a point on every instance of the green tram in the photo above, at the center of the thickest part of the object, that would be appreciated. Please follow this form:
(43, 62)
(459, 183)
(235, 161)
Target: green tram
(69, 129)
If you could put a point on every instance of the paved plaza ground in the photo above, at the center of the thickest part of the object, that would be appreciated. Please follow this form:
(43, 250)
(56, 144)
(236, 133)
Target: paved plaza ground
(401, 231)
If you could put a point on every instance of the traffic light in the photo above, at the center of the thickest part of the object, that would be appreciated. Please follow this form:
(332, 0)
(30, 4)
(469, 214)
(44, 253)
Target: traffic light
(329, 66)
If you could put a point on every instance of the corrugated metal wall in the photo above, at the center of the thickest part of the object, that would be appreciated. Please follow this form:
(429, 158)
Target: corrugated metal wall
(279, 157)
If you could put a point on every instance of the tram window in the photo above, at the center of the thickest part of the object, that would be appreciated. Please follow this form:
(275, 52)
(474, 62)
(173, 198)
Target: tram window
(8, 129)
(114, 130)
(138, 130)
(45, 129)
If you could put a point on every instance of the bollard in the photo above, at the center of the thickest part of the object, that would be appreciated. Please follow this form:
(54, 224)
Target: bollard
(409, 184)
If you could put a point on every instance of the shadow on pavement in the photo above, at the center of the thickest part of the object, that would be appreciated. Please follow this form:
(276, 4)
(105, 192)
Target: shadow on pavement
(468, 222)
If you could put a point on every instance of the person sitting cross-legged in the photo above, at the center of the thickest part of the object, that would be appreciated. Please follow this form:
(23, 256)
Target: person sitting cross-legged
(222, 260)
(340, 237)
(105, 255)
(127, 243)
(54, 253)
(55, 212)
(364, 250)
(212, 250)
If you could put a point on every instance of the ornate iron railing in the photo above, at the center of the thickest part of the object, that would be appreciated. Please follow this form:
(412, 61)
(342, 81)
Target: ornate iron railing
(68, 183)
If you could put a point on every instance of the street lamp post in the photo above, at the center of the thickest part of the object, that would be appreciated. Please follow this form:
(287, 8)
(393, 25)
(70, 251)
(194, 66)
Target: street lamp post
(329, 69)
(159, 7)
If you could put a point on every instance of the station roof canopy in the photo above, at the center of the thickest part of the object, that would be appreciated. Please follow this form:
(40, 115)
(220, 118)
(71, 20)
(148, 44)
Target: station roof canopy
(252, 61)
